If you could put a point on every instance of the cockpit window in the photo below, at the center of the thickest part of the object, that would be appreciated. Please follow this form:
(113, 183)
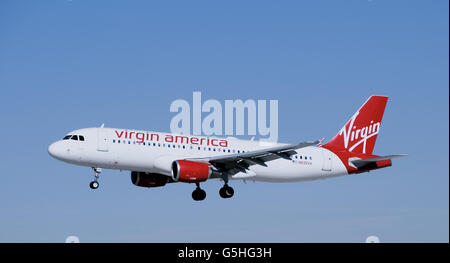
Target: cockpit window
(74, 137)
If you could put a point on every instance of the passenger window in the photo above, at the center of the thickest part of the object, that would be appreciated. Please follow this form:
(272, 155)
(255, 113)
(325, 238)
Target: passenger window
(75, 138)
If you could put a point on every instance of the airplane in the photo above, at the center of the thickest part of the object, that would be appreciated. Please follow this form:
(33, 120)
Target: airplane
(156, 159)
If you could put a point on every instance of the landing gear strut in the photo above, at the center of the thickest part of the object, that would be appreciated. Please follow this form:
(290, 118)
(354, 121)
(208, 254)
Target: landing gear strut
(198, 194)
(94, 184)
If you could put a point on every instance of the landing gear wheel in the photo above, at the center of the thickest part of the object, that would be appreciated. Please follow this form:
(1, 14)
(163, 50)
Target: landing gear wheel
(94, 185)
(222, 192)
(198, 194)
(226, 191)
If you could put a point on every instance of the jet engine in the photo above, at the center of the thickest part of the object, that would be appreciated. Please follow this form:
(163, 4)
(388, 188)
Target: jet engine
(148, 179)
(190, 172)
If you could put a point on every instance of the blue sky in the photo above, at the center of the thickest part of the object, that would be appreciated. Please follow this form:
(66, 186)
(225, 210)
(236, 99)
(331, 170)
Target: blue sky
(66, 65)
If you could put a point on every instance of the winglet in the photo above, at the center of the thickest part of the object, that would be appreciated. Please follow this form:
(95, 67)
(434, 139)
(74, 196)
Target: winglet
(320, 142)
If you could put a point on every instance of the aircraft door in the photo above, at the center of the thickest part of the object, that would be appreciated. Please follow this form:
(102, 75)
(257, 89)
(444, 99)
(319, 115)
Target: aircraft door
(102, 140)
(326, 160)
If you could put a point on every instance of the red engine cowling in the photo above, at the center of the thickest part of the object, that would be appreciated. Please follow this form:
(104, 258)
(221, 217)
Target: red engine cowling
(190, 172)
(148, 179)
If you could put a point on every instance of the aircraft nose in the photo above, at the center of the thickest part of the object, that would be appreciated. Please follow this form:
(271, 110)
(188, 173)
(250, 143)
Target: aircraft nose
(55, 150)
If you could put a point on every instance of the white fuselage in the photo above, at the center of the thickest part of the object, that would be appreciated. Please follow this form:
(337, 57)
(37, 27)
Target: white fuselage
(154, 152)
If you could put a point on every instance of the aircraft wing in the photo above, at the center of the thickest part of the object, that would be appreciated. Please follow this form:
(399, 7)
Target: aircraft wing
(362, 162)
(234, 163)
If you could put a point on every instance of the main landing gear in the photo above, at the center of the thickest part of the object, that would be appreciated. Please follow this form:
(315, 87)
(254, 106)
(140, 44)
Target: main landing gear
(94, 184)
(226, 191)
(198, 194)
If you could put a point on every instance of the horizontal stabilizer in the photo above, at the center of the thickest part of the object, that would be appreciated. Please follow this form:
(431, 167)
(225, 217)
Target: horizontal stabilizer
(362, 162)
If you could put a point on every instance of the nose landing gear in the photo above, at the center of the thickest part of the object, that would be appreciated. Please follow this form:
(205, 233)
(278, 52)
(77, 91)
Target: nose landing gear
(94, 184)
(198, 194)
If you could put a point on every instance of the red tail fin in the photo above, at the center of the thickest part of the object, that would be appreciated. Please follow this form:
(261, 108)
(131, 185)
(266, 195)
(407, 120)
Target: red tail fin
(360, 133)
